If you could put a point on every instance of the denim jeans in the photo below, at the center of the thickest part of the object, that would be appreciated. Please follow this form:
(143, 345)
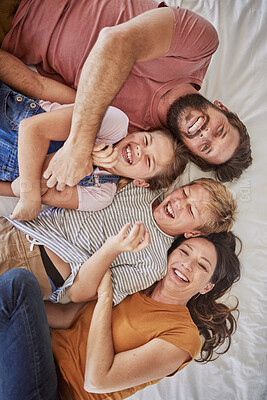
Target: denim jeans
(26, 359)
(15, 107)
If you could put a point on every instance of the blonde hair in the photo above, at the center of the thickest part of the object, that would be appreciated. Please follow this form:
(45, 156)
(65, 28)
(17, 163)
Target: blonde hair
(221, 208)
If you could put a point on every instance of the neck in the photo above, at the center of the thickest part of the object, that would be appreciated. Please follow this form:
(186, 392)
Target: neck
(169, 97)
(161, 294)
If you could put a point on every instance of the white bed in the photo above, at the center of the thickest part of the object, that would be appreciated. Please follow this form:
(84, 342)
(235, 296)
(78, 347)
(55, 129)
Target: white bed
(237, 77)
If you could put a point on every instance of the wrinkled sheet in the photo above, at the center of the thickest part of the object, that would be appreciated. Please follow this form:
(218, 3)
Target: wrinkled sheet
(237, 77)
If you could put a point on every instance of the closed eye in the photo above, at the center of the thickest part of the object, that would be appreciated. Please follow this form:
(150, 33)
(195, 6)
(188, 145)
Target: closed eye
(185, 252)
(203, 267)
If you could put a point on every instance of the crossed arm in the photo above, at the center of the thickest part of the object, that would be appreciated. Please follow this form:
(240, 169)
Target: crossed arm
(145, 37)
(106, 371)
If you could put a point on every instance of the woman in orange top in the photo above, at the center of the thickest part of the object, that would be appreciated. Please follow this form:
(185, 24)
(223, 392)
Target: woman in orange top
(149, 335)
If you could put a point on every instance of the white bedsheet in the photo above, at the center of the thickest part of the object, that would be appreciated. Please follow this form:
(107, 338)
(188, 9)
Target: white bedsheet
(237, 77)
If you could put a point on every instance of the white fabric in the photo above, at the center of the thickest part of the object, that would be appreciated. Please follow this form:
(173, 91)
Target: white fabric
(237, 77)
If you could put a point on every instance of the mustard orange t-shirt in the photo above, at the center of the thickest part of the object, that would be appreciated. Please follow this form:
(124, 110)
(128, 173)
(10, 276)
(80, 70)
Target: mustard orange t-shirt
(135, 321)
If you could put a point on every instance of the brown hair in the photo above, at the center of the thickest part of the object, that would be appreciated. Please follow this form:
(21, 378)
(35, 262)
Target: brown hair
(240, 160)
(215, 320)
(171, 172)
(222, 207)
(175, 167)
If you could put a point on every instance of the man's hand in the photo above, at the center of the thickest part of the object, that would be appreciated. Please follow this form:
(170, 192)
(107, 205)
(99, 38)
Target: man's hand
(68, 166)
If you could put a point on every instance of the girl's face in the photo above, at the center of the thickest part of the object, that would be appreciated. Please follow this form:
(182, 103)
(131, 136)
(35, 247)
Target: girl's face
(141, 155)
(190, 269)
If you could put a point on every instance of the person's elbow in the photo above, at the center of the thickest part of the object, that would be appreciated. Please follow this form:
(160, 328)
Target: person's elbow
(95, 384)
(78, 296)
(116, 41)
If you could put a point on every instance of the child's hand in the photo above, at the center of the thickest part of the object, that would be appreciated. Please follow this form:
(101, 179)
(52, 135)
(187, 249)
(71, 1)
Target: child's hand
(26, 210)
(137, 239)
(105, 158)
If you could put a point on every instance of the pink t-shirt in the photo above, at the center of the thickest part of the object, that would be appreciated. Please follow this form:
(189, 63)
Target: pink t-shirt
(58, 36)
(114, 127)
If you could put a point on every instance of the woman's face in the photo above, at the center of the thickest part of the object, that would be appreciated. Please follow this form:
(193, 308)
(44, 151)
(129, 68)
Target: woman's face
(190, 268)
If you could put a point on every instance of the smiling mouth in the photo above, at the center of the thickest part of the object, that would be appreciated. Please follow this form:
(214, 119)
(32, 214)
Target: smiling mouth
(169, 210)
(196, 126)
(181, 276)
(128, 154)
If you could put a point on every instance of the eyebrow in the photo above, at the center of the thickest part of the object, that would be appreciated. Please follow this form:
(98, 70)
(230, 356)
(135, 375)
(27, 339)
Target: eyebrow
(203, 258)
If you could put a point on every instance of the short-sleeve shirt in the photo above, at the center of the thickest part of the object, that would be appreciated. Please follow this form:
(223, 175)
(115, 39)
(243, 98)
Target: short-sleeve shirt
(76, 235)
(57, 37)
(114, 127)
(135, 321)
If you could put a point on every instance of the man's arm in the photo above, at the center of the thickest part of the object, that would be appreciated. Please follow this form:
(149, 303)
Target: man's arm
(145, 37)
(20, 77)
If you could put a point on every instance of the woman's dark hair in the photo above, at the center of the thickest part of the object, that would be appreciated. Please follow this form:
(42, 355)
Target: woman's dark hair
(215, 320)
(240, 160)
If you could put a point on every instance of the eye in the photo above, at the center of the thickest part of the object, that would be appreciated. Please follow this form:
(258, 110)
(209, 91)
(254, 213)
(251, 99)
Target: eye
(184, 251)
(203, 267)
(184, 193)
(146, 141)
(220, 132)
(148, 162)
(205, 148)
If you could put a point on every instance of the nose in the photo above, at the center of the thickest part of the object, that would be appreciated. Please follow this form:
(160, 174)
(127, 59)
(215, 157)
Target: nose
(187, 265)
(139, 151)
(180, 203)
(205, 133)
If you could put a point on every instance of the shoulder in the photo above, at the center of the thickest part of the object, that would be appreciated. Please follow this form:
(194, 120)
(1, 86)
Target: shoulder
(114, 126)
(196, 32)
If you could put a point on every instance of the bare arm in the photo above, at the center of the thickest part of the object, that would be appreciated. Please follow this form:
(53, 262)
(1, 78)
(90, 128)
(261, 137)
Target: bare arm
(61, 315)
(16, 74)
(85, 285)
(145, 37)
(107, 372)
(35, 134)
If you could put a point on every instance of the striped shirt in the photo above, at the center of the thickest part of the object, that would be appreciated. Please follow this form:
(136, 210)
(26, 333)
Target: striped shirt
(75, 235)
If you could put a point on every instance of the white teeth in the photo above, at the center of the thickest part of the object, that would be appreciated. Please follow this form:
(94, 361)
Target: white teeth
(129, 154)
(178, 273)
(169, 210)
(196, 125)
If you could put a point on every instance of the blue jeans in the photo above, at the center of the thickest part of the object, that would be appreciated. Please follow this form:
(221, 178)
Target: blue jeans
(26, 359)
(15, 107)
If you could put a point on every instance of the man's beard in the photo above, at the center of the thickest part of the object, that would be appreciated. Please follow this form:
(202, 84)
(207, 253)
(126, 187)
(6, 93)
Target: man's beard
(181, 109)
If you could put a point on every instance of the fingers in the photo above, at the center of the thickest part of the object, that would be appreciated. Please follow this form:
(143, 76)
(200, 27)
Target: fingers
(99, 146)
(51, 179)
(138, 238)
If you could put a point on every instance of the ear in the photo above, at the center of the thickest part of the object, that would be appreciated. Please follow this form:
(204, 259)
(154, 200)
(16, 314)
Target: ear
(140, 182)
(192, 234)
(220, 105)
(207, 288)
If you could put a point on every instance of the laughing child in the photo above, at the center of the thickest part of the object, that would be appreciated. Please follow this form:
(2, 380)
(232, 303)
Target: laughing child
(32, 131)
